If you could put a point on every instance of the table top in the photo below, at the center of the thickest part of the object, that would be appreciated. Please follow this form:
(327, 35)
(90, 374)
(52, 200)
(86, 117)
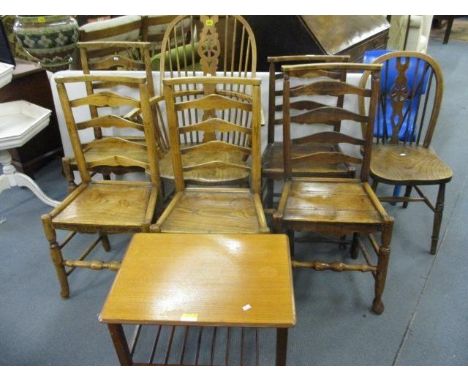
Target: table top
(204, 280)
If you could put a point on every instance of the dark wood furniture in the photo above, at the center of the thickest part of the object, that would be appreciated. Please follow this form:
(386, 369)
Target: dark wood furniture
(272, 158)
(231, 150)
(203, 299)
(336, 206)
(104, 207)
(30, 83)
(331, 35)
(409, 105)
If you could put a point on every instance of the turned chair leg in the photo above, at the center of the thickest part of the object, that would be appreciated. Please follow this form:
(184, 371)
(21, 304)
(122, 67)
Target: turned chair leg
(382, 267)
(105, 242)
(56, 254)
(355, 246)
(439, 210)
(407, 195)
(68, 173)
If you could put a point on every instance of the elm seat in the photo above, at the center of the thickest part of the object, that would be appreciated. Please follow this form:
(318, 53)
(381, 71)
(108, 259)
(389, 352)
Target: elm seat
(120, 208)
(346, 201)
(212, 211)
(411, 164)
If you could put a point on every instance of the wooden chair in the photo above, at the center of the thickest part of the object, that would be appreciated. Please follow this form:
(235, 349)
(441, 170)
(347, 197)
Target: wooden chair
(206, 209)
(115, 55)
(272, 160)
(337, 206)
(208, 45)
(409, 104)
(104, 207)
(153, 29)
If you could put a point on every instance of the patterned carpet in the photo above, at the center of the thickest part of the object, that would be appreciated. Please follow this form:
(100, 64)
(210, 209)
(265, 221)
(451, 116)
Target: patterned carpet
(459, 30)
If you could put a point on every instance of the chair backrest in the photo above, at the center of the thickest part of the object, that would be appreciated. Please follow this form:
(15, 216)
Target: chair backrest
(410, 98)
(146, 152)
(275, 92)
(208, 44)
(117, 55)
(327, 80)
(213, 104)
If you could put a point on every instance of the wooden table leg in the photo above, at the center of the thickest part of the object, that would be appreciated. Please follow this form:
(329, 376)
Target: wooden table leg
(281, 346)
(120, 344)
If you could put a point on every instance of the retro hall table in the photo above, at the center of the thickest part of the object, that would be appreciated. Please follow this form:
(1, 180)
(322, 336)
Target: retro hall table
(214, 286)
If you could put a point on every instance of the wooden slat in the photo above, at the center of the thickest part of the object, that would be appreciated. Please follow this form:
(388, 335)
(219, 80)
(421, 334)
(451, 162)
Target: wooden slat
(327, 157)
(215, 164)
(328, 115)
(231, 93)
(215, 145)
(109, 121)
(329, 88)
(91, 77)
(350, 67)
(213, 125)
(213, 100)
(116, 60)
(332, 137)
(117, 161)
(114, 141)
(105, 98)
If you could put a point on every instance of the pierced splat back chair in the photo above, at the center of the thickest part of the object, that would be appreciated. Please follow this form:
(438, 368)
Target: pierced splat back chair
(409, 104)
(104, 207)
(272, 160)
(208, 209)
(222, 46)
(337, 206)
(114, 55)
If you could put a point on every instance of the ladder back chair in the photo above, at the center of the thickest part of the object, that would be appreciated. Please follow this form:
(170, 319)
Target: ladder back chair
(409, 105)
(208, 45)
(106, 206)
(198, 209)
(272, 160)
(337, 206)
(114, 55)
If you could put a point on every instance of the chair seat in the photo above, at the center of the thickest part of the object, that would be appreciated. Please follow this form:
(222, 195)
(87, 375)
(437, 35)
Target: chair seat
(206, 175)
(213, 210)
(330, 201)
(118, 207)
(272, 161)
(408, 164)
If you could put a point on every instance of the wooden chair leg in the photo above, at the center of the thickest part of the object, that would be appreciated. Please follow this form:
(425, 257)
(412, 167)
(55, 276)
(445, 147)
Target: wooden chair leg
(382, 266)
(56, 254)
(68, 173)
(270, 188)
(105, 242)
(374, 185)
(290, 233)
(439, 210)
(407, 195)
(106, 176)
(355, 246)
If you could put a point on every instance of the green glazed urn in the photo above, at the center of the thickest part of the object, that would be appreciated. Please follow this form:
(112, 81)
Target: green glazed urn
(51, 40)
